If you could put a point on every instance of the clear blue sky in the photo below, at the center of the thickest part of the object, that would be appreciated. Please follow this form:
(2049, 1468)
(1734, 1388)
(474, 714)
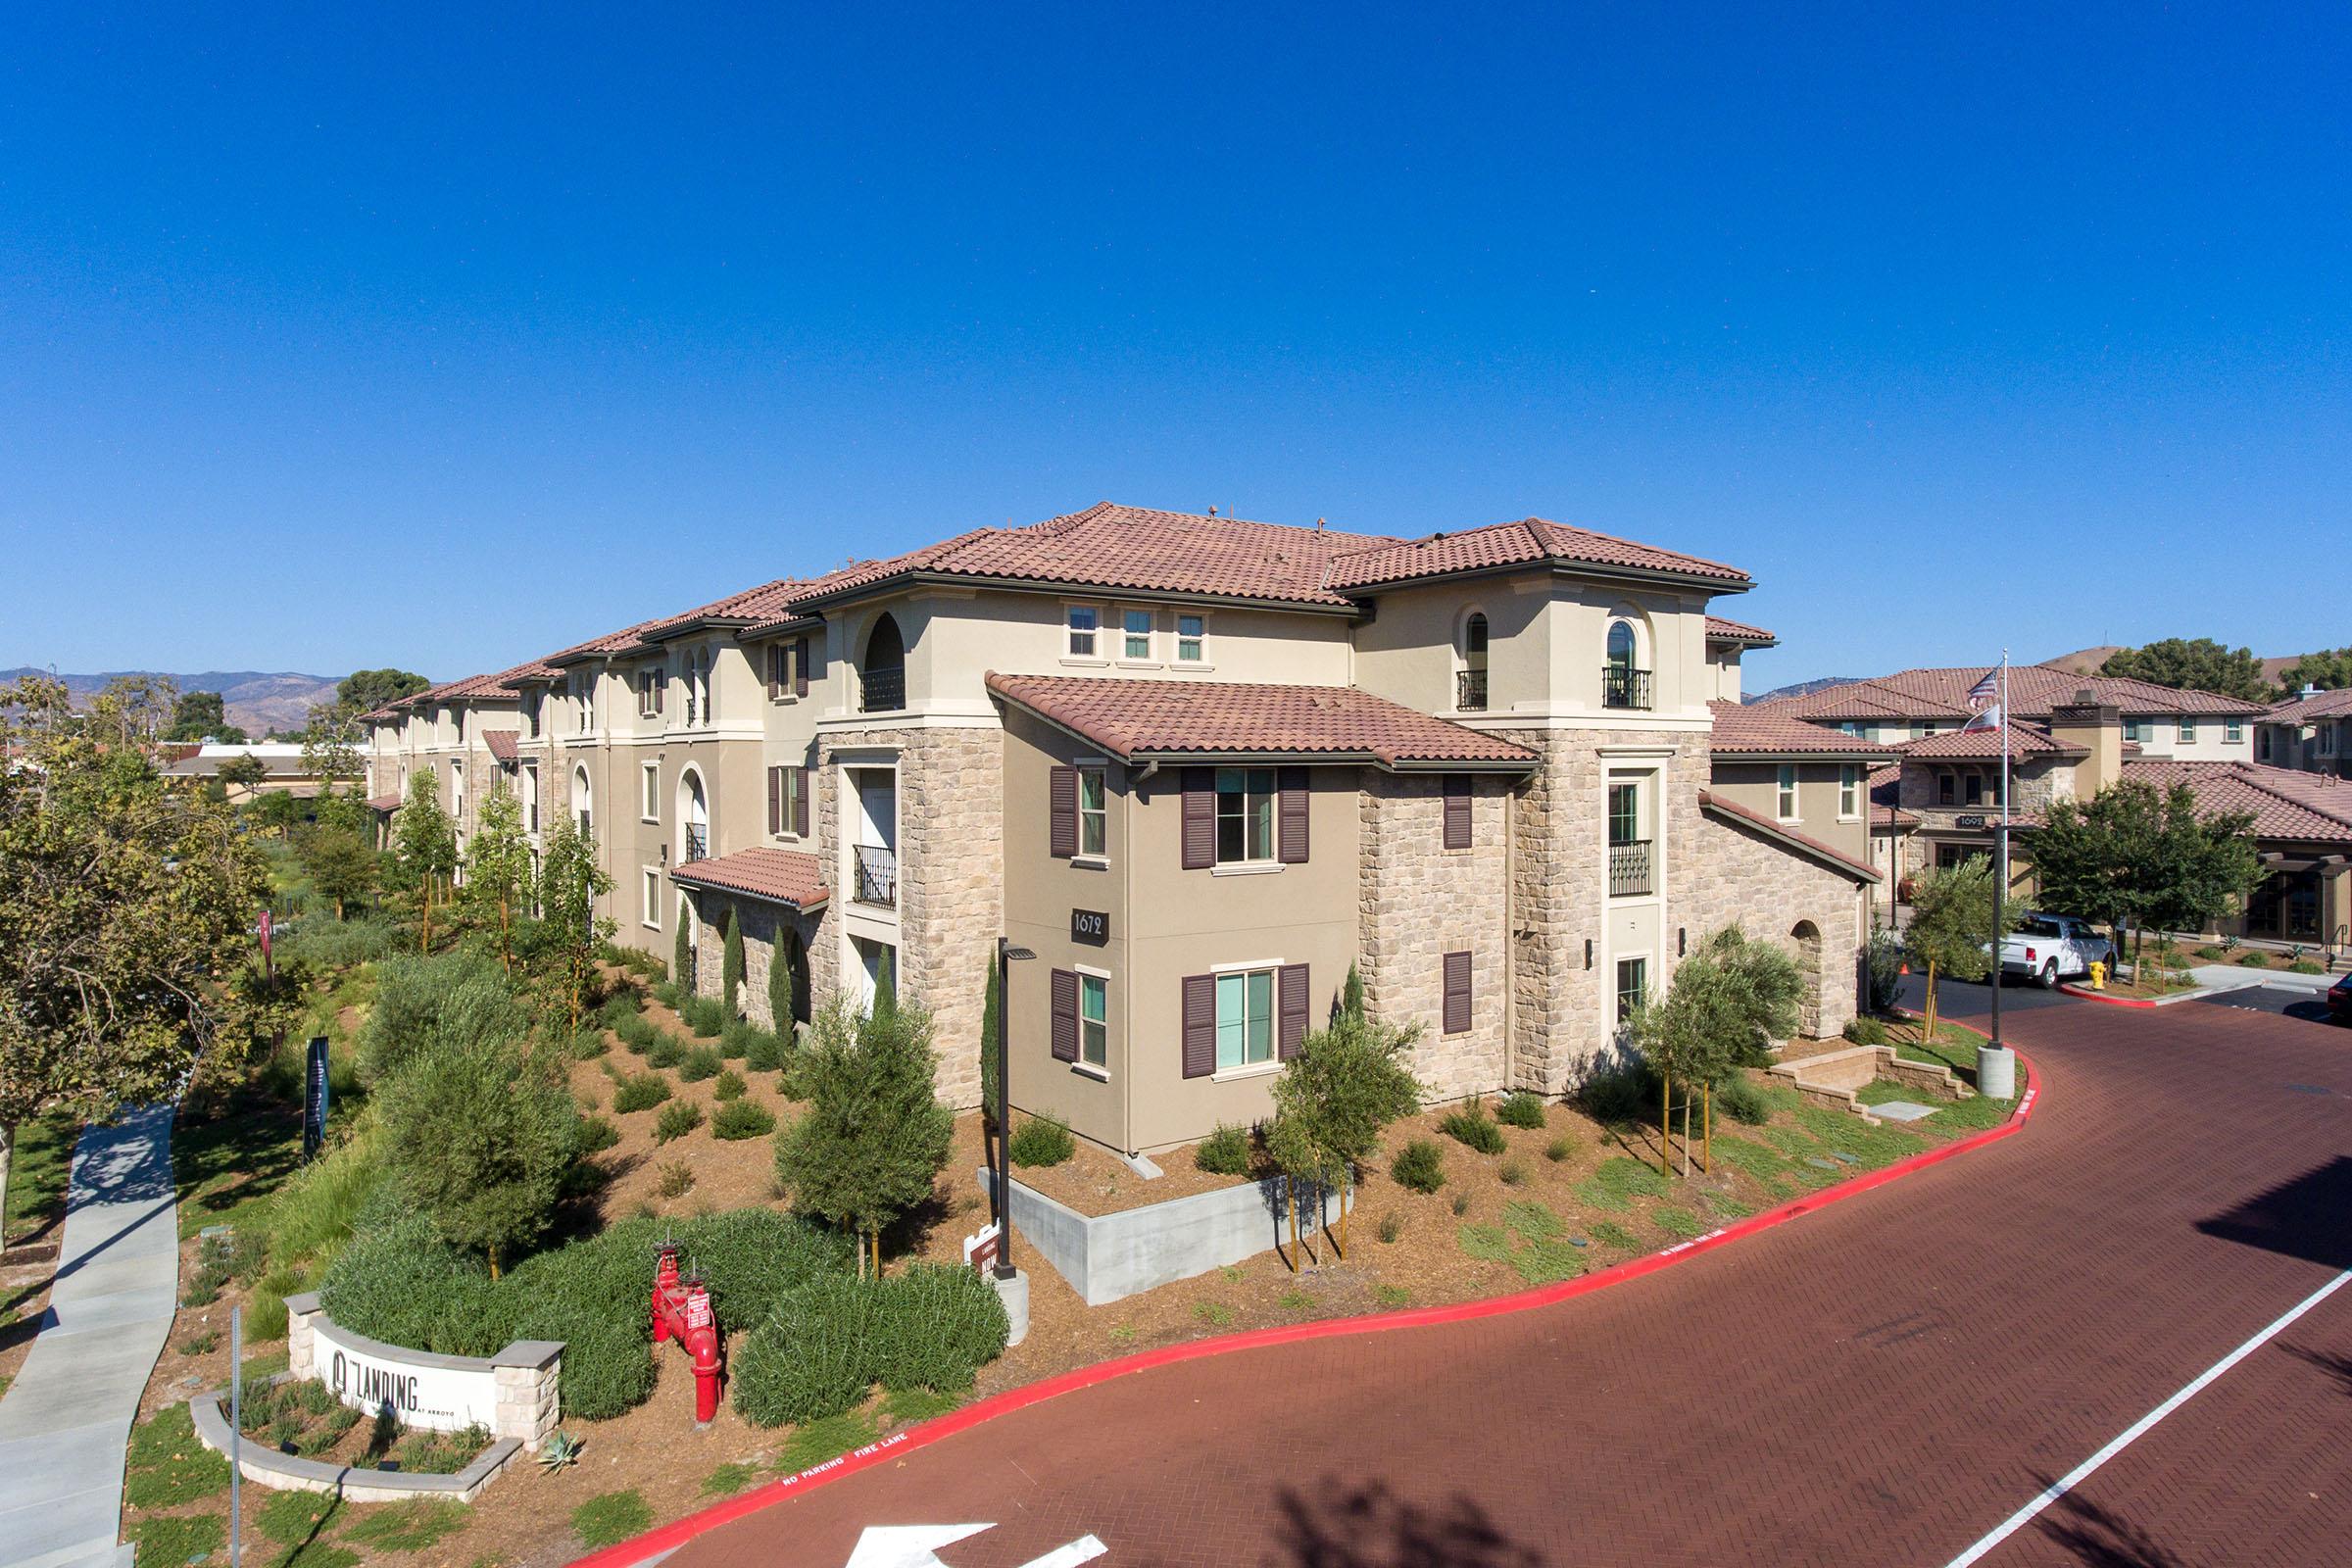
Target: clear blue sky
(330, 339)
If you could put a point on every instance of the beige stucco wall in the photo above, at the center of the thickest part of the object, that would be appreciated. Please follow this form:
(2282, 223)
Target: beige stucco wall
(1739, 876)
(1756, 785)
(1408, 653)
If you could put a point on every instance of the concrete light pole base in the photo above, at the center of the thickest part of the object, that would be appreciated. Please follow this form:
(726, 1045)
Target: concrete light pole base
(1014, 1294)
(1997, 1072)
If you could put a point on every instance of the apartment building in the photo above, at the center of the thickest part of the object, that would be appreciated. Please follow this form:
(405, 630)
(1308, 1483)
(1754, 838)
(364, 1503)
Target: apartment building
(2311, 731)
(2188, 727)
(1199, 767)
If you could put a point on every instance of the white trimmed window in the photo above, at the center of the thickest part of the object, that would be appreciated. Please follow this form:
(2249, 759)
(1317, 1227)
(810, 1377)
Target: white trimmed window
(530, 798)
(652, 916)
(2233, 732)
(1094, 1019)
(2189, 731)
(1136, 635)
(1094, 814)
(1084, 625)
(1244, 815)
(650, 791)
(1850, 790)
(1190, 642)
(1244, 1019)
(2132, 728)
(1785, 796)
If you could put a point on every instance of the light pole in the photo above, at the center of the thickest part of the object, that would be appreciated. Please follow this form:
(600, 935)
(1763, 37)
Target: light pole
(1006, 957)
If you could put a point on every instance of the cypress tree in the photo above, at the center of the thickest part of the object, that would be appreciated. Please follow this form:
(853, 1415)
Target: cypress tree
(682, 958)
(988, 1048)
(780, 988)
(730, 973)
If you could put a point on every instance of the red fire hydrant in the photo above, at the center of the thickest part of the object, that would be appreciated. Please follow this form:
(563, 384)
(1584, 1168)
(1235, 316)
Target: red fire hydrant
(682, 1313)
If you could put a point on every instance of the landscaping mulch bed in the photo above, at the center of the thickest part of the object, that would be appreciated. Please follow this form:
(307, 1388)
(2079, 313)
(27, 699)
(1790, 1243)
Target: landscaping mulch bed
(1097, 1182)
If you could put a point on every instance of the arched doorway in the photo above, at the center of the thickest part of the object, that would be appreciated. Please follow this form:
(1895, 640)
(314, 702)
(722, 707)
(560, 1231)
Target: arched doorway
(694, 817)
(1807, 939)
(882, 672)
(1470, 676)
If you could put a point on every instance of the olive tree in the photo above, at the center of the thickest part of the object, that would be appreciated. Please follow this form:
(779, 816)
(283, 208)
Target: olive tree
(1952, 923)
(1337, 1094)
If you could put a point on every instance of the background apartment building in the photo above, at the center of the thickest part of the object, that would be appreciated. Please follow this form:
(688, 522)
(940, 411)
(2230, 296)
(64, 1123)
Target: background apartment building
(1199, 765)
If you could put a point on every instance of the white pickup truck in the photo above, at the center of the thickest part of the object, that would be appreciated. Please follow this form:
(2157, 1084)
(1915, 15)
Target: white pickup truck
(2050, 948)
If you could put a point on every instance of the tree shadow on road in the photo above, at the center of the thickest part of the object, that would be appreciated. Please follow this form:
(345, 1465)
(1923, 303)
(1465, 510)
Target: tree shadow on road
(2309, 1217)
(2338, 1367)
(1367, 1526)
(2099, 1537)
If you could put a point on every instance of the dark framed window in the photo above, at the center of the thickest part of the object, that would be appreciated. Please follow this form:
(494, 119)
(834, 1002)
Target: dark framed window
(1245, 815)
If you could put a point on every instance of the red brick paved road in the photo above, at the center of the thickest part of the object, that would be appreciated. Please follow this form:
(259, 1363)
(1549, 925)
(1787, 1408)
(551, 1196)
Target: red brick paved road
(1878, 1383)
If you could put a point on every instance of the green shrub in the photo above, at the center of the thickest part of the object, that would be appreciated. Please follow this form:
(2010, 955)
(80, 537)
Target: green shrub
(729, 1085)
(1391, 1226)
(705, 1015)
(622, 1005)
(678, 1118)
(611, 1518)
(456, 999)
(2306, 966)
(762, 1052)
(1742, 1099)
(667, 993)
(702, 1061)
(1866, 1031)
(343, 944)
(1622, 1093)
(739, 1119)
(2213, 953)
(589, 1044)
(826, 1346)
(638, 1032)
(668, 1050)
(1559, 1150)
(738, 1039)
(1471, 1126)
(675, 1179)
(1420, 1166)
(1519, 1108)
(640, 1092)
(477, 1136)
(597, 1134)
(1042, 1141)
(1514, 1172)
(1225, 1152)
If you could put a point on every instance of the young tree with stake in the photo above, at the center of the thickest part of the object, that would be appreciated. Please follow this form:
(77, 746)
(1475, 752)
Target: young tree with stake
(426, 843)
(569, 884)
(1338, 1091)
(498, 868)
(1952, 924)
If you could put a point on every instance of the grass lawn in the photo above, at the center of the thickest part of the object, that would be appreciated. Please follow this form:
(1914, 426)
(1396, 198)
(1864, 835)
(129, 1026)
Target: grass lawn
(37, 1173)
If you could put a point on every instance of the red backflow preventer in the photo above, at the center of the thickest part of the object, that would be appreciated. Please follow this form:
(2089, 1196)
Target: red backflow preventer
(682, 1313)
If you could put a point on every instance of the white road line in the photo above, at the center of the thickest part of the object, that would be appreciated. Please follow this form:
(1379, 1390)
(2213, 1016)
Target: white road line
(2131, 1434)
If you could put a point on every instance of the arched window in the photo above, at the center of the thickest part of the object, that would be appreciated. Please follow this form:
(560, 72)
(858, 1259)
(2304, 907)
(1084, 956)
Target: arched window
(1470, 681)
(1624, 683)
(694, 817)
(882, 672)
(582, 803)
(1623, 644)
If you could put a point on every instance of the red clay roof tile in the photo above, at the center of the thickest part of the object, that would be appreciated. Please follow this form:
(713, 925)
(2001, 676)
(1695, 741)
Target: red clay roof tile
(780, 876)
(1506, 544)
(1763, 730)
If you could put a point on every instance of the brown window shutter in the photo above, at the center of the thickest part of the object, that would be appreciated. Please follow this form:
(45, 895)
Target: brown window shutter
(775, 670)
(1200, 830)
(800, 804)
(813, 661)
(1290, 1009)
(1457, 993)
(660, 676)
(800, 667)
(1458, 810)
(775, 799)
(1065, 1015)
(1291, 824)
(1199, 1023)
(1062, 798)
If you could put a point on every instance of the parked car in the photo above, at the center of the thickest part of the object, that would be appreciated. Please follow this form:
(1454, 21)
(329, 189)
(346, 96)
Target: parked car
(2340, 999)
(2050, 948)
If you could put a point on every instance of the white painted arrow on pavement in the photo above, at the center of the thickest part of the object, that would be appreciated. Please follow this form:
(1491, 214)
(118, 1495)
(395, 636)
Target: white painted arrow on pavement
(917, 1546)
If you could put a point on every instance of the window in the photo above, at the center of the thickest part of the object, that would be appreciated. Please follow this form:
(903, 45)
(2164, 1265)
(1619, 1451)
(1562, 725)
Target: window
(1084, 622)
(583, 709)
(2262, 743)
(2189, 731)
(1946, 787)
(1632, 986)
(649, 780)
(581, 800)
(2132, 729)
(651, 917)
(649, 691)
(1972, 789)
(457, 787)
(1624, 813)
(1622, 644)
(1245, 1019)
(1785, 793)
(1850, 790)
(530, 798)
(1093, 814)
(1928, 729)
(1137, 623)
(1470, 681)
(2233, 732)
(2327, 738)
(1245, 817)
(1093, 1020)
(1189, 629)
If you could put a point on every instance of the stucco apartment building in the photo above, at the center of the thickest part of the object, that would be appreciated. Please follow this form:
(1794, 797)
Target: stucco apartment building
(1199, 767)
(2311, 731)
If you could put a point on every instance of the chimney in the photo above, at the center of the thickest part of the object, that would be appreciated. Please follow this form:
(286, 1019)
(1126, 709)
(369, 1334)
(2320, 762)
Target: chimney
(2307, 692)
(2090, 725)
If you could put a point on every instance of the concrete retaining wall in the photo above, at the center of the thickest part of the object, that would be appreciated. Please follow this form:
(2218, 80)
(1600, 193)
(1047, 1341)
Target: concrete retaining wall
(1108, 1257)
(259, 1463)
(510, 1395)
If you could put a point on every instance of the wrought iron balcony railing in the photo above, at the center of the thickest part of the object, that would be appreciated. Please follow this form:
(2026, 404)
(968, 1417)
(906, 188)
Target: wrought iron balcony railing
(1629, 869)
(698, 843)
(877, 871)
(883, 690)
(1624, 686)
(1470, 691)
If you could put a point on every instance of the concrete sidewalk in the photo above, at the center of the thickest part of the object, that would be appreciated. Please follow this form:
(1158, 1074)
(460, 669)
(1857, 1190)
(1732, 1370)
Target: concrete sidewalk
(65, 1419)
(2237, 977)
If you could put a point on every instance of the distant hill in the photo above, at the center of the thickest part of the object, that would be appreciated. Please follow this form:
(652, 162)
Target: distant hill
(1801, 687)
(255, 701)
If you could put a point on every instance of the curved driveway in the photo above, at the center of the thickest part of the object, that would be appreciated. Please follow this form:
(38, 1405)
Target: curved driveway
(1881, 1383)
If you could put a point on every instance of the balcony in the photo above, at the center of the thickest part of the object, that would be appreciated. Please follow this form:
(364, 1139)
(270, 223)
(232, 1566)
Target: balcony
(698, 843)
(1622, 686)
(1470, 691)
(878, 876)
(1629, 869)
(882, 690)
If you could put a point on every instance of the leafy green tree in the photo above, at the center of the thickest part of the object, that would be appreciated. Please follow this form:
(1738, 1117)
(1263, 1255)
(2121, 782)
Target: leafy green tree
(244, 771)
(275, 813)
(570, 883)
(340, 863)
(367, 689)
(1340, 1090)
(425, 842)
(121, 906)
(1351, 996)
(132, 710)
(875, 1137)
(1952, 923)
(196, 716)
(457, 998)
(477, 1137)
(330, 747)
(2330, 670)
(2139, 855)
(498, 864)
(2193, 664)
(1726, 1006)
(730, 970)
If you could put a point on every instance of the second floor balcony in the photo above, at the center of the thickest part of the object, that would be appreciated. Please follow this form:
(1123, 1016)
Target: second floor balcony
(1623, 686)
(876, 870)
(882, 690)
(1629, 867)
(1470, 691)
(698, 843)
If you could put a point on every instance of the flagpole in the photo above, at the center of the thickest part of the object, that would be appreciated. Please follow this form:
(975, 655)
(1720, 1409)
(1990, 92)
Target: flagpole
(1997, 1065)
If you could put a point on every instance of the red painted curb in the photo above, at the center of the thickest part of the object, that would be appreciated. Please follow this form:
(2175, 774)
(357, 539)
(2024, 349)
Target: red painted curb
(670, 1536)
(2102, 997)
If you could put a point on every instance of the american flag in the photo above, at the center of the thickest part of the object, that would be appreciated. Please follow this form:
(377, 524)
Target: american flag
(1983, 699)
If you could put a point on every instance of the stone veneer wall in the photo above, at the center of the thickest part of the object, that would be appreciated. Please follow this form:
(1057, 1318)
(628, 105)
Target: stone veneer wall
(1420, 901)
(762, 923)
(2032, 787)
(950, 804)
(1742, 877)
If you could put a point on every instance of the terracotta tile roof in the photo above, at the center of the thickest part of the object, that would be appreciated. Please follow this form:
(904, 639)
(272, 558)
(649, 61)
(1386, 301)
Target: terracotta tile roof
(1720, 630)
(2033, 689)
(501, 743)
(1837, 860)
(1886, 797)
(2320, 704)
(1506, 544)
(1743, 728)
(1178, 718)
(2025, 740)
(768, 602)
(384, 803)
(2286, 803)
(780, 876)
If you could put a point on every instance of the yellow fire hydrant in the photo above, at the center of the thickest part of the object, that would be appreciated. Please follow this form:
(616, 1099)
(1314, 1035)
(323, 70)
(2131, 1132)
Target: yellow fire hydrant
(2098, 974)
